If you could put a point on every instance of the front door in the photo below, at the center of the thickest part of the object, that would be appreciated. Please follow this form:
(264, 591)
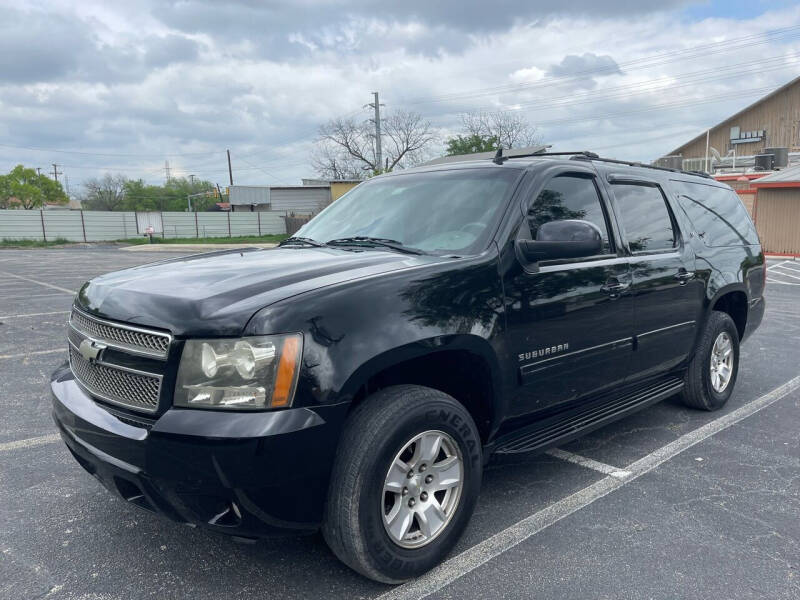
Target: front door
(668, 297)
(569, 321)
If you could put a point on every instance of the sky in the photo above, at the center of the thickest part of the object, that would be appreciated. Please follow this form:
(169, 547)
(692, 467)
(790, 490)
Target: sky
(122, 87)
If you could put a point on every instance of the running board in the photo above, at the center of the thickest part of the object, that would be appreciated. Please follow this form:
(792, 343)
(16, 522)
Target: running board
(567, 426)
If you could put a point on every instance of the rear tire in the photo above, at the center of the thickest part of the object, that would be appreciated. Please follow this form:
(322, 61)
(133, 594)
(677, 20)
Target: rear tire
(711, 375)
(382, 433)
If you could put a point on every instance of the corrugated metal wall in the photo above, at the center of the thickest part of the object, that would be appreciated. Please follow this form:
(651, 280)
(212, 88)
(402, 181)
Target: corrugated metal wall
(249, 194)
(778, 115)
(94, 226)
(778, 220)
(300, 200)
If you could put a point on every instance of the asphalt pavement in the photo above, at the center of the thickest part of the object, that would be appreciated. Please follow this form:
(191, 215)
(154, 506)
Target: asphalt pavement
(668, 503)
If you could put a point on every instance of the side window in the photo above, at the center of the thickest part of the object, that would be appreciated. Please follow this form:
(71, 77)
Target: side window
(569, 197)
(717, 214)
(645, 217)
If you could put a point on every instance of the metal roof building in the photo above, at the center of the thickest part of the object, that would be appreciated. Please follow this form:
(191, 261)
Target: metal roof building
(771, 122)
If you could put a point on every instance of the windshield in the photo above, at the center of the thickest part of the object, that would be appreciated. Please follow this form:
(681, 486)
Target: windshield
(439, 211)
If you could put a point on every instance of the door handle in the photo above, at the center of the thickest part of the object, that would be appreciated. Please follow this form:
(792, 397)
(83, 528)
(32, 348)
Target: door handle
(614, 288)
(684, 276)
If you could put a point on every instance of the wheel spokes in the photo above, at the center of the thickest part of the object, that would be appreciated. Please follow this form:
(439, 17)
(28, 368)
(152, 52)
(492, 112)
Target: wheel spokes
(399, 520)
(396, 478)
(447, 473)
(431, 518)
(427, 448)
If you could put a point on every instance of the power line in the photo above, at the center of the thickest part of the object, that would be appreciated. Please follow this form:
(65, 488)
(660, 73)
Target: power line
(626, 91)
(656, 59)
(40, 149)
(681, 104)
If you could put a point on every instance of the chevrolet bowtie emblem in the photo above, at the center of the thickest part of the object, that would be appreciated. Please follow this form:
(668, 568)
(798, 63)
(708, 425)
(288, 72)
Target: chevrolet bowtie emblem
(91, 350)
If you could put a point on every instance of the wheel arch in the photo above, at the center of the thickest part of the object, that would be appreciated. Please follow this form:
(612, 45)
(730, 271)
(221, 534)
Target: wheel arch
(463, 366)
(733, 300)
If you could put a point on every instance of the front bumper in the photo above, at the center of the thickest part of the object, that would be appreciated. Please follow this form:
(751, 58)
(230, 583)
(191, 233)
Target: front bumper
(244, 474)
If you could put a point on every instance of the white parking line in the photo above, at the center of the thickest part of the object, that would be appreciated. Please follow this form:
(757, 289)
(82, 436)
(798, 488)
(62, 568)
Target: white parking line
(786, 274)
(781, 282)
(588, 463)
(483, 552)
(42, 314)
(50, 285)
(30, 442)
(791, 266)
(34, 353)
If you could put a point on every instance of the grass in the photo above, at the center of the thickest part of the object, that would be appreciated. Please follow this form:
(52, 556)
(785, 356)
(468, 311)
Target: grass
(244, 239)
(11, 243)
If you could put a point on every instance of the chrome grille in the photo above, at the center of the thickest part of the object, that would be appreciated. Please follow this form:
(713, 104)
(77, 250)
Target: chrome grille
(136, 340)
(116, 384)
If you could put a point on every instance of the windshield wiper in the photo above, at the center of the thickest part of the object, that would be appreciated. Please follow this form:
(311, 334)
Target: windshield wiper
(301, 241)
(363, 240)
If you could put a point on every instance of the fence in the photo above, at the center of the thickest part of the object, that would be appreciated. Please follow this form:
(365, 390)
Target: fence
(97, 226)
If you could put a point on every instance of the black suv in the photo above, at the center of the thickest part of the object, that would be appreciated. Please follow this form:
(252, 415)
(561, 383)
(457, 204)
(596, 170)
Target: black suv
(357, 378)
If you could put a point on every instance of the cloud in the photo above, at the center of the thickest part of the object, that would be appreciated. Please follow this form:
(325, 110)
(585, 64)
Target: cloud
(150, 80)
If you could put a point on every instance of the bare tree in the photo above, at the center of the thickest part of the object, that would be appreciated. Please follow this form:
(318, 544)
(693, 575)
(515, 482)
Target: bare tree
(106, 193)
(510, 129)
(346, 148)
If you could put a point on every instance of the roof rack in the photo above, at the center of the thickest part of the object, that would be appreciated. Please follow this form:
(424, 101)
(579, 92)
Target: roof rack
(587, 155)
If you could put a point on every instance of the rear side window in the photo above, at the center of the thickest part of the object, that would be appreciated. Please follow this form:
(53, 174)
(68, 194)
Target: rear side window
(717, 214)
(569, 197)
(645, 217)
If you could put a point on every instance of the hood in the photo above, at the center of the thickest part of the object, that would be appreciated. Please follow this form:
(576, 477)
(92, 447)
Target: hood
(216, 294)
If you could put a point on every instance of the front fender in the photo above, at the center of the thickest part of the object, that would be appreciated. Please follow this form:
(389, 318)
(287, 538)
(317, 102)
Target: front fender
(355, 329)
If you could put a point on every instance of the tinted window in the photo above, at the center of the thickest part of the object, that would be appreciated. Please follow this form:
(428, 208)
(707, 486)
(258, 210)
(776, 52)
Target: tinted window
(569, 197)
(717, 214)
(438, 211)
(645, 217)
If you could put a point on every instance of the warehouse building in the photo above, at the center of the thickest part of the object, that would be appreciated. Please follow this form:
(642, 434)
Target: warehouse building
(771, 122)
(306, 199)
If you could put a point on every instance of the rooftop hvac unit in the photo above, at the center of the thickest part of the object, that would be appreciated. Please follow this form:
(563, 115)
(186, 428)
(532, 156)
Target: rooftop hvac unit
(781, 156)
(670, 162)
(765, 162)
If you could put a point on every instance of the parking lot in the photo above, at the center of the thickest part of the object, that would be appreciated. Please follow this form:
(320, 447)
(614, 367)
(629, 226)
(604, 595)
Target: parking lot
(668, 503)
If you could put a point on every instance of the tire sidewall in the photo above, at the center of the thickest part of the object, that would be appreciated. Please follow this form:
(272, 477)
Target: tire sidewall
(386, 556)
(718, 399)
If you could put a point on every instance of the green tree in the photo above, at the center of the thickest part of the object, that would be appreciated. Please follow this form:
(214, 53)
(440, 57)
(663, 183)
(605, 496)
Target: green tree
(170, 197)
(115, 192)
(470, 144)
(30, 189)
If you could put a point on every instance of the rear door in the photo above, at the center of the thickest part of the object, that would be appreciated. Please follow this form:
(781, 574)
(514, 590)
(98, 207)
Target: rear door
(668, 297)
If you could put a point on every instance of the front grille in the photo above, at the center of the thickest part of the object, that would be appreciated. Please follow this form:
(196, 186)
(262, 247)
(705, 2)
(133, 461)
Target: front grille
(125, 337)
(115, 384)
(116, 363)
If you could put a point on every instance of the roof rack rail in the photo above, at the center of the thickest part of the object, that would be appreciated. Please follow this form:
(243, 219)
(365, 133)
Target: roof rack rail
(587, 155)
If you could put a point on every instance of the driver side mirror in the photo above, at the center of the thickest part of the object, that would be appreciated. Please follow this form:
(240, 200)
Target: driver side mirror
(570, 238)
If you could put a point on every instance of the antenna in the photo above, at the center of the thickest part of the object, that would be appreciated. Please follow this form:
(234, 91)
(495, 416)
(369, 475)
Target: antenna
(498, 157)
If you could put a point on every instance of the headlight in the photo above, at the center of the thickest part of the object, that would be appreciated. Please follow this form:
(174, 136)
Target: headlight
(246, 373)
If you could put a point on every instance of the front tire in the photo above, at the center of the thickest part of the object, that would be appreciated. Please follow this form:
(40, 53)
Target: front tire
(711, 375)
(404, 484)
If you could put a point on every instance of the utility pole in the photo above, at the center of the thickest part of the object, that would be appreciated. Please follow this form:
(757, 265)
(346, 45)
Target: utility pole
(191, 179)
(56, 172)
(38, 170)
(230, 171)
(166, 169)
(378, 151)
